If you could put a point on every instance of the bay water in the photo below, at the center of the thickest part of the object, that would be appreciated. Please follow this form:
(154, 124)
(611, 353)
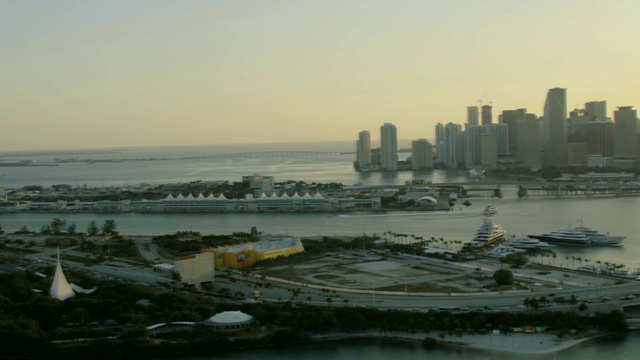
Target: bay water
(135, 166)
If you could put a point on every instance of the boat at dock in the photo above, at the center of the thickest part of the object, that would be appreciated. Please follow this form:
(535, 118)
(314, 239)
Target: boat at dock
(529, 244)
(488, 234)
(567, 236)
(599, 238)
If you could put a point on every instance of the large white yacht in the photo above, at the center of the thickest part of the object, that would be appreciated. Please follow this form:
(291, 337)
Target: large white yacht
(567, 236)
(489, 233)
(599, 238)
(529, 244)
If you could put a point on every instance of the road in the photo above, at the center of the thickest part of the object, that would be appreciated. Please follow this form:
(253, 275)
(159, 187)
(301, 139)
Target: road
(241, 288)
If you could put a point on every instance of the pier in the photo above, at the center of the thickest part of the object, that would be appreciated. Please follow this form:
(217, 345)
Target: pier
(577, 189)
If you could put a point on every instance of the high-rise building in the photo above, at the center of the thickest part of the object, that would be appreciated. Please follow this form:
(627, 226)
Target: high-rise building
(577, 154)
(473, 142)
(439, 142)
(450, 146)
(528, 139)
(363, 149)
(511, 117)
(487, 115)
(376, 158)
(600, 138)
(625, 145)
(473, 117)
(389, 147)
(488, 151)
(596, 110)
(421, 154)
(555, 128)
(577, 126)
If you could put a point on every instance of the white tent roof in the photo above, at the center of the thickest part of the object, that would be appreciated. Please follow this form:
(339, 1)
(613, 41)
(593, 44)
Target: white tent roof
(190, 197)
(221, 197)
(179, 197)
(170, 197)
(60, 288)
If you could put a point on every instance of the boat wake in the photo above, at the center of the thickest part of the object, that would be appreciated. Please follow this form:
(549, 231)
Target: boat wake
(459, 214)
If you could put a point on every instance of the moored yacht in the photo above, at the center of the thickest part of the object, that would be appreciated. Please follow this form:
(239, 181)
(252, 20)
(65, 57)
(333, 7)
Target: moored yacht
(528, 244)
(502, 251)
(567, 236)
(599, 238)
(489, 233)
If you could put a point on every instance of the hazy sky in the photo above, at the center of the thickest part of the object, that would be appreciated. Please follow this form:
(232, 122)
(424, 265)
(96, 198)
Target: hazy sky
(81, 74)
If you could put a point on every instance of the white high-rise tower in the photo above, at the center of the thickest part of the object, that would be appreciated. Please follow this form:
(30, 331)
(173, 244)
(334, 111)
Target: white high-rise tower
(363, 149)
(388, 147)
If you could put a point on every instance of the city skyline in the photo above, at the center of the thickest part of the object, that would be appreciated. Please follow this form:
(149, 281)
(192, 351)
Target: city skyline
(153, 73)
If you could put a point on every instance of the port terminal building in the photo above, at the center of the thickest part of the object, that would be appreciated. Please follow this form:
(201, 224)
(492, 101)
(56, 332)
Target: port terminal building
(211, 203)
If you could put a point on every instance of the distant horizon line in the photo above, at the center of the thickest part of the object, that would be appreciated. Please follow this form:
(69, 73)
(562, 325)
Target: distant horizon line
(97, 150)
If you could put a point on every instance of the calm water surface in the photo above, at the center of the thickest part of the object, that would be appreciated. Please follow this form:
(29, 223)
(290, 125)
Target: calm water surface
(534, 215)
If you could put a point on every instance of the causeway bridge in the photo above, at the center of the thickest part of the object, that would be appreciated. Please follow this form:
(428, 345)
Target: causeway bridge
(270, 154)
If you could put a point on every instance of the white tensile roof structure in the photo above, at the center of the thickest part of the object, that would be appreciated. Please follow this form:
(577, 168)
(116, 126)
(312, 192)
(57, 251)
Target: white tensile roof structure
(60, 288)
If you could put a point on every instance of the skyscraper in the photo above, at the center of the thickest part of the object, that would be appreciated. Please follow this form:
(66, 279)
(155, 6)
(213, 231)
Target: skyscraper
(488, 151)
(625, 144)
(511, 117)
(388, 147)
(555, 128)
(421, 154)
(473, 117)
(439, 142)
(596, 110)
(487, 115)
(474, 148)
(450, 154)
(363, 149)
(528, 139)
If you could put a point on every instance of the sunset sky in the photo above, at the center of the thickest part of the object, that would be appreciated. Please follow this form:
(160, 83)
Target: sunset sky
(88, 74)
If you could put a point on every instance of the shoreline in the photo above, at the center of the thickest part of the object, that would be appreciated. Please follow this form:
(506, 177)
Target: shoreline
(516, 343)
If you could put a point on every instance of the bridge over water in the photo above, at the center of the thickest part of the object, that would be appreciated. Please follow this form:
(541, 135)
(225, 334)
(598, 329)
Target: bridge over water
(271, 154)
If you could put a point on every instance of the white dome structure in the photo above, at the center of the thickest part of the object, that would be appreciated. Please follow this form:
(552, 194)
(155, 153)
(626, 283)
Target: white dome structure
(426, 201)
(228, 320)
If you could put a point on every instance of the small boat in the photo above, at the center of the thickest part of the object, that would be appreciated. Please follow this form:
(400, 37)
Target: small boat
(467, 202)
(502, 251)
(490, 210)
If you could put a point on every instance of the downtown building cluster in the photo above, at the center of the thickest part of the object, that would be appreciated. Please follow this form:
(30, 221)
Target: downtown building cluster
(584, 137)
(386, 156)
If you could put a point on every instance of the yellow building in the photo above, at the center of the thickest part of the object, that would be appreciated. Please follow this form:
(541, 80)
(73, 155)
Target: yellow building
(246, 254)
